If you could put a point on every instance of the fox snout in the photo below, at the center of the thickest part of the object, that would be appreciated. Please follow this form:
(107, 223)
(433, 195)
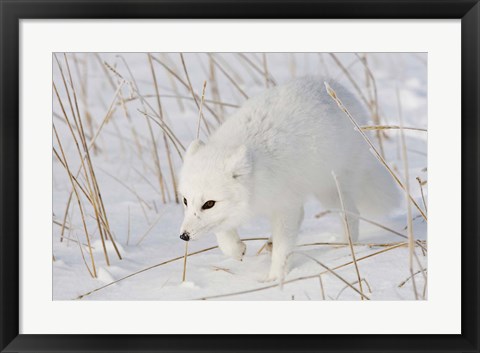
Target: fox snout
(190, 228)
(185, 236)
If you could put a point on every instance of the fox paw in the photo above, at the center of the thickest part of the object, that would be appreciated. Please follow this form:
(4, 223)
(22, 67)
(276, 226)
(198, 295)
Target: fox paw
(268, 279)
(235, 250)
(273, 275)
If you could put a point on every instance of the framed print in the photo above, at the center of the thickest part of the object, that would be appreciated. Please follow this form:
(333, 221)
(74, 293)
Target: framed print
(233, 176)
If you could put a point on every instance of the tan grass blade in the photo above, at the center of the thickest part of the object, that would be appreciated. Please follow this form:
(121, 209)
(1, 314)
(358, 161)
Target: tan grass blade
(347, 229)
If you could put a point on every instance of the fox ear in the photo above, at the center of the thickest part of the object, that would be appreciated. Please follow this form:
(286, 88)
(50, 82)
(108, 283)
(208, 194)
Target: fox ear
(194, 147)
(240, 162)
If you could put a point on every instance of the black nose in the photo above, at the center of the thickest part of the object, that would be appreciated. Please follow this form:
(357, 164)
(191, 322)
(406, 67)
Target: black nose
(185, 236)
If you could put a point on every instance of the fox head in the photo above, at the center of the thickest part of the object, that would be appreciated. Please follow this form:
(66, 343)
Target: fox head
(214, 187)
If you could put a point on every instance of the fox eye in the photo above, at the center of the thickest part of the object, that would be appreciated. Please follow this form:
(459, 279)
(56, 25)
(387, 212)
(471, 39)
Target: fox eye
(208, 204)
(185, 201)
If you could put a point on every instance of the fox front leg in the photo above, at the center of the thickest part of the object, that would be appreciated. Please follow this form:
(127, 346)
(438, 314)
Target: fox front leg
(230, 244)
(285, 227)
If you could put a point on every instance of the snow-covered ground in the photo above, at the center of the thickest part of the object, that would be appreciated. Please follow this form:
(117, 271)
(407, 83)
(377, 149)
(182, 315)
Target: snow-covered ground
(146, 229)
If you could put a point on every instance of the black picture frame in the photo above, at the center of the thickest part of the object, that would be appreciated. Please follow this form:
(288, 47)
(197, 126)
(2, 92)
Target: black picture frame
(12, 11)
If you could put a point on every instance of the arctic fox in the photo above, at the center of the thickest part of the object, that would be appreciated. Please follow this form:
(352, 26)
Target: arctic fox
(269, 156)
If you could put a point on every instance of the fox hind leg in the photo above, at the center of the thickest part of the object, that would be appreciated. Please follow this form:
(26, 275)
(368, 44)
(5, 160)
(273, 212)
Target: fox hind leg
(285, 227)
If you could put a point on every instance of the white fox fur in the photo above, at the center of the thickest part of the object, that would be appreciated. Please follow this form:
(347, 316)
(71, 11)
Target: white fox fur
(266, 159)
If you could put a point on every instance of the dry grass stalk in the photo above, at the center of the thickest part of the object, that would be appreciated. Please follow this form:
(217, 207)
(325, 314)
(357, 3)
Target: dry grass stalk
(62, 231)
(369, 79)
(82, 189)
(165, 141)
(215, 101)
(102, 225)
(420, 184)
(123, 102)
(184, 275)
(84, 259)
(71, 239)
(325, 70)
(425, 286)
(76, 241)
(262, 248)
(101, 216)
(147, 232)
(334, 96)
(154, 148)
(411, 247)
(263, 72)
(265, 69)
(139, 198)
(214, 88)
(371, 82)
(173, 81)
(145, 179)
(93, 272)
(410, 277)
(158, 119)
(83, 79)
(92, 143)
(373, 110)
(227, 75)
(228, 67)
(172, 137)
(343, 289)
(121, 139)
(350, 78)
(322, 289)
(253, 74)
(105, 70)
(371, 245)
(390, 127)
(107, 116)
(190, 88)
(216, 269)
(61, 224)
(200, 115)
(132, 127)
(347, 230)
(185, 84)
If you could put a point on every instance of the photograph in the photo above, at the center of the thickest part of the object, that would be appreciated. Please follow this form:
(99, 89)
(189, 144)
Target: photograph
(240, 176)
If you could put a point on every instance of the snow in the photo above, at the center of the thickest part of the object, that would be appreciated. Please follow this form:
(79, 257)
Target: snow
(146, 229)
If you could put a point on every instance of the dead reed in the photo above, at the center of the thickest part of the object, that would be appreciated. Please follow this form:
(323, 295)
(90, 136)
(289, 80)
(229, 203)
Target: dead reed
(91, 191)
